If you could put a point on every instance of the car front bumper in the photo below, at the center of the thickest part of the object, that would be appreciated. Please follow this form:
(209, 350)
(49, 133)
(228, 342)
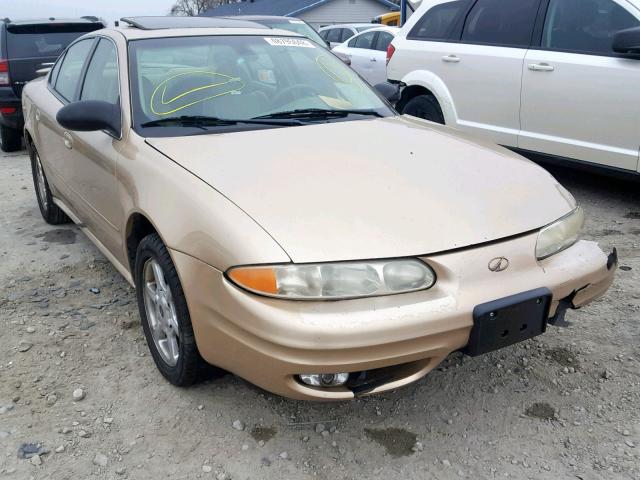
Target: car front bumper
(400, 338)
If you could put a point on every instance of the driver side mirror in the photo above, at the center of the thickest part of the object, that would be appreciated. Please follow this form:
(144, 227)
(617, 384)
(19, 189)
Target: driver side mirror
(627, 41)
(389, 91)
(91, 116)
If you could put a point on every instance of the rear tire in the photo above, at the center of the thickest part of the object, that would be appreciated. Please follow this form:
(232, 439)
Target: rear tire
(51, 212)
(426, 107)
(11, 139)
(165, 316)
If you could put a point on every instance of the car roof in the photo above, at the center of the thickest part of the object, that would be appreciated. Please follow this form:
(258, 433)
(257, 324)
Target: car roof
(134, 28)
(347, 25)
(165, 23)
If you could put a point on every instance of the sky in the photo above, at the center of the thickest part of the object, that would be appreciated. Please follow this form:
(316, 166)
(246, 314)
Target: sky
(108, 9)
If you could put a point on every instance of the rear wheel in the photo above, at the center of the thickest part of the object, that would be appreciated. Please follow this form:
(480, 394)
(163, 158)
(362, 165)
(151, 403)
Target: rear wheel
(11, 139)
(165, 316)
(424, 106)
(51, 213)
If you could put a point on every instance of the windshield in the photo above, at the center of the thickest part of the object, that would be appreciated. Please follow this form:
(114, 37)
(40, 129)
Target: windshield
(297, 26)
(240, 78)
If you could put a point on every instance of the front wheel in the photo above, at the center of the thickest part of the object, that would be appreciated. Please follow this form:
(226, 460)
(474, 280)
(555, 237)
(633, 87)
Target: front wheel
(426, 107)
(165, 317)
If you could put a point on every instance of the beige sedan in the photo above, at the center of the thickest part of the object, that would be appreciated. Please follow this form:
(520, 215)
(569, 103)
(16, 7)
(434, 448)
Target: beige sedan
(280, 221)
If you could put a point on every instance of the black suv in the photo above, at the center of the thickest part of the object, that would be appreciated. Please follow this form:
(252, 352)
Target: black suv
(27, 46)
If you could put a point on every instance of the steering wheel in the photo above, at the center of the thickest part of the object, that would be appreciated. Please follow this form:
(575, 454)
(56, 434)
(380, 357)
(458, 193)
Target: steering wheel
(282, 96)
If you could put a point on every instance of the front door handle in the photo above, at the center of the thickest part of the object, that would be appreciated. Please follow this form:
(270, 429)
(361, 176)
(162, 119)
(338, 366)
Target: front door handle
(68, 140)
(541, 67)
(451, 59)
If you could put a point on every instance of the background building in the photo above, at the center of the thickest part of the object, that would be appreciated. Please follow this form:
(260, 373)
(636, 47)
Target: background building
(315, 12)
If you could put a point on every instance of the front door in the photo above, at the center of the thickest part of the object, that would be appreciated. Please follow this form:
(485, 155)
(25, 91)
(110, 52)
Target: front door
(579, 98)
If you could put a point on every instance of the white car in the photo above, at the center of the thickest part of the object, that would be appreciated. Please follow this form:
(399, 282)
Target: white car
(334, 35)
(367, 52)
(553, 77)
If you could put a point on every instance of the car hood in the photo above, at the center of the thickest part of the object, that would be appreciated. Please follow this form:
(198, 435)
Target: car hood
(374, 188)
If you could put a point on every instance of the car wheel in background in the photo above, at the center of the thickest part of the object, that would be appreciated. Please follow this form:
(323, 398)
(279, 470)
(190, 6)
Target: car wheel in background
(51, 212)
(11, 139)
(424, 106)
(165, 316)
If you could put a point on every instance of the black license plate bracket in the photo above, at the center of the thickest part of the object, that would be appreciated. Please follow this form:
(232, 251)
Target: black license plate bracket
(509, 320)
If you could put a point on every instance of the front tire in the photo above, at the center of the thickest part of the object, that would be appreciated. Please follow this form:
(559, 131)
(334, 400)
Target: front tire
(51, 213)
(426, 107)
(11, 139)
(165, 316)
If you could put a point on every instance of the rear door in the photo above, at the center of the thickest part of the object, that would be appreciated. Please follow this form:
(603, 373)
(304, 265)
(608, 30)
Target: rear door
(483, 69)
(361, 50)
(579, 98)
(32, 47)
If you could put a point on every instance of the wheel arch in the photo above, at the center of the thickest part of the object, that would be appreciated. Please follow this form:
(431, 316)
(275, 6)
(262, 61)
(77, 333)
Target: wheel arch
(138, 226)
(423, 82)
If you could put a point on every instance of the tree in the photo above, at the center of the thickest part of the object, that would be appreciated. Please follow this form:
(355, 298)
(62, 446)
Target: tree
(193, 8)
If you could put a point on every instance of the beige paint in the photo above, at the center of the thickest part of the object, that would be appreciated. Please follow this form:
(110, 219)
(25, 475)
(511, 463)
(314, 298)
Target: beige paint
(350, 190)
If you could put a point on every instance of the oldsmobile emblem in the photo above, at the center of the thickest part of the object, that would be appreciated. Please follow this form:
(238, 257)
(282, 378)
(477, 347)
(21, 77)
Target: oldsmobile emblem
(498, 264)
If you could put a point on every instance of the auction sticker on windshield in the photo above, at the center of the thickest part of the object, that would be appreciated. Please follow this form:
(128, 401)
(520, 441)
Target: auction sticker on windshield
(289, 42)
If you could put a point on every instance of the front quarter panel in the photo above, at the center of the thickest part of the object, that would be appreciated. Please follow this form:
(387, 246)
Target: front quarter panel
(190, 215)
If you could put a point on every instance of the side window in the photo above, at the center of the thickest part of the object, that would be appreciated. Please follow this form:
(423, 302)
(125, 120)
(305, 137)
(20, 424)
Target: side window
(384, 39)
(334, 35)
(438, 22)
(323, 34)
(585, 26)
(366, 40)
(346, 34)
(54, 72)
(69, 75)
(101, 81)
(501, 23)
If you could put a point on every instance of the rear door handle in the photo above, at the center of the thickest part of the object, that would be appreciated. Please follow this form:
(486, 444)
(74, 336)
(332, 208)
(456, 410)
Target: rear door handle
(541, 67)
(451, 59)
(68, 140)
(373, 59)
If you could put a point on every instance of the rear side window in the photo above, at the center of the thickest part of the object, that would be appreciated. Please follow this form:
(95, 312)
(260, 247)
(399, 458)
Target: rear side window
(324, 34)
(47, 40)
(585, 26)
(346, 34)
(334, 35)
(365, 40)
(71, 69)
(438, 22)
(384, 39)
(101, 81)
(501, 22)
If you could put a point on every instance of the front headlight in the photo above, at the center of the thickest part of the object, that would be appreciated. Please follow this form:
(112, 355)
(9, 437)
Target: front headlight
(335, 281)
(559, 235)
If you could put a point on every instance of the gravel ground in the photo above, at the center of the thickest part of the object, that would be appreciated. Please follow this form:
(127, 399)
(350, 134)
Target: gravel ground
(78, 387)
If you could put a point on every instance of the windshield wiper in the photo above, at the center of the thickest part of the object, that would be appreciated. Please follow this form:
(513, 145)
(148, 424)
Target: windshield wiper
(311, 113)
(203, 121)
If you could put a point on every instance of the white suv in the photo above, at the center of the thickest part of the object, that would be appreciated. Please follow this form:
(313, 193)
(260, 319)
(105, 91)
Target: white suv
(554, 77)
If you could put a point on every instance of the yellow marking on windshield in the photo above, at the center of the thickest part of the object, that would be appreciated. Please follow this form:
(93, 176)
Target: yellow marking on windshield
(347, 78)
(227, 80)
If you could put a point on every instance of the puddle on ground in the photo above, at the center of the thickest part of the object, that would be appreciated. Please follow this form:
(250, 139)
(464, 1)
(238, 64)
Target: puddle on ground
(541, 410)
(633, 215)
(396, 441)
(263, 433)
(61, 236)
(564, 357)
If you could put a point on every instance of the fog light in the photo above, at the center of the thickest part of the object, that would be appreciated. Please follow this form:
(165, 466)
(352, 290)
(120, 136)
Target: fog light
(325, 379)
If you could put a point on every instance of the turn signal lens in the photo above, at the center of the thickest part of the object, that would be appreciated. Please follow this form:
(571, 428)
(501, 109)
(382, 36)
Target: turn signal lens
(4, 72)
(334, 281)
(559, 235)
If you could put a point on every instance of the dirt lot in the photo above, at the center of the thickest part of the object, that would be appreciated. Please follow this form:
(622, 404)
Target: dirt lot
(564, 405)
